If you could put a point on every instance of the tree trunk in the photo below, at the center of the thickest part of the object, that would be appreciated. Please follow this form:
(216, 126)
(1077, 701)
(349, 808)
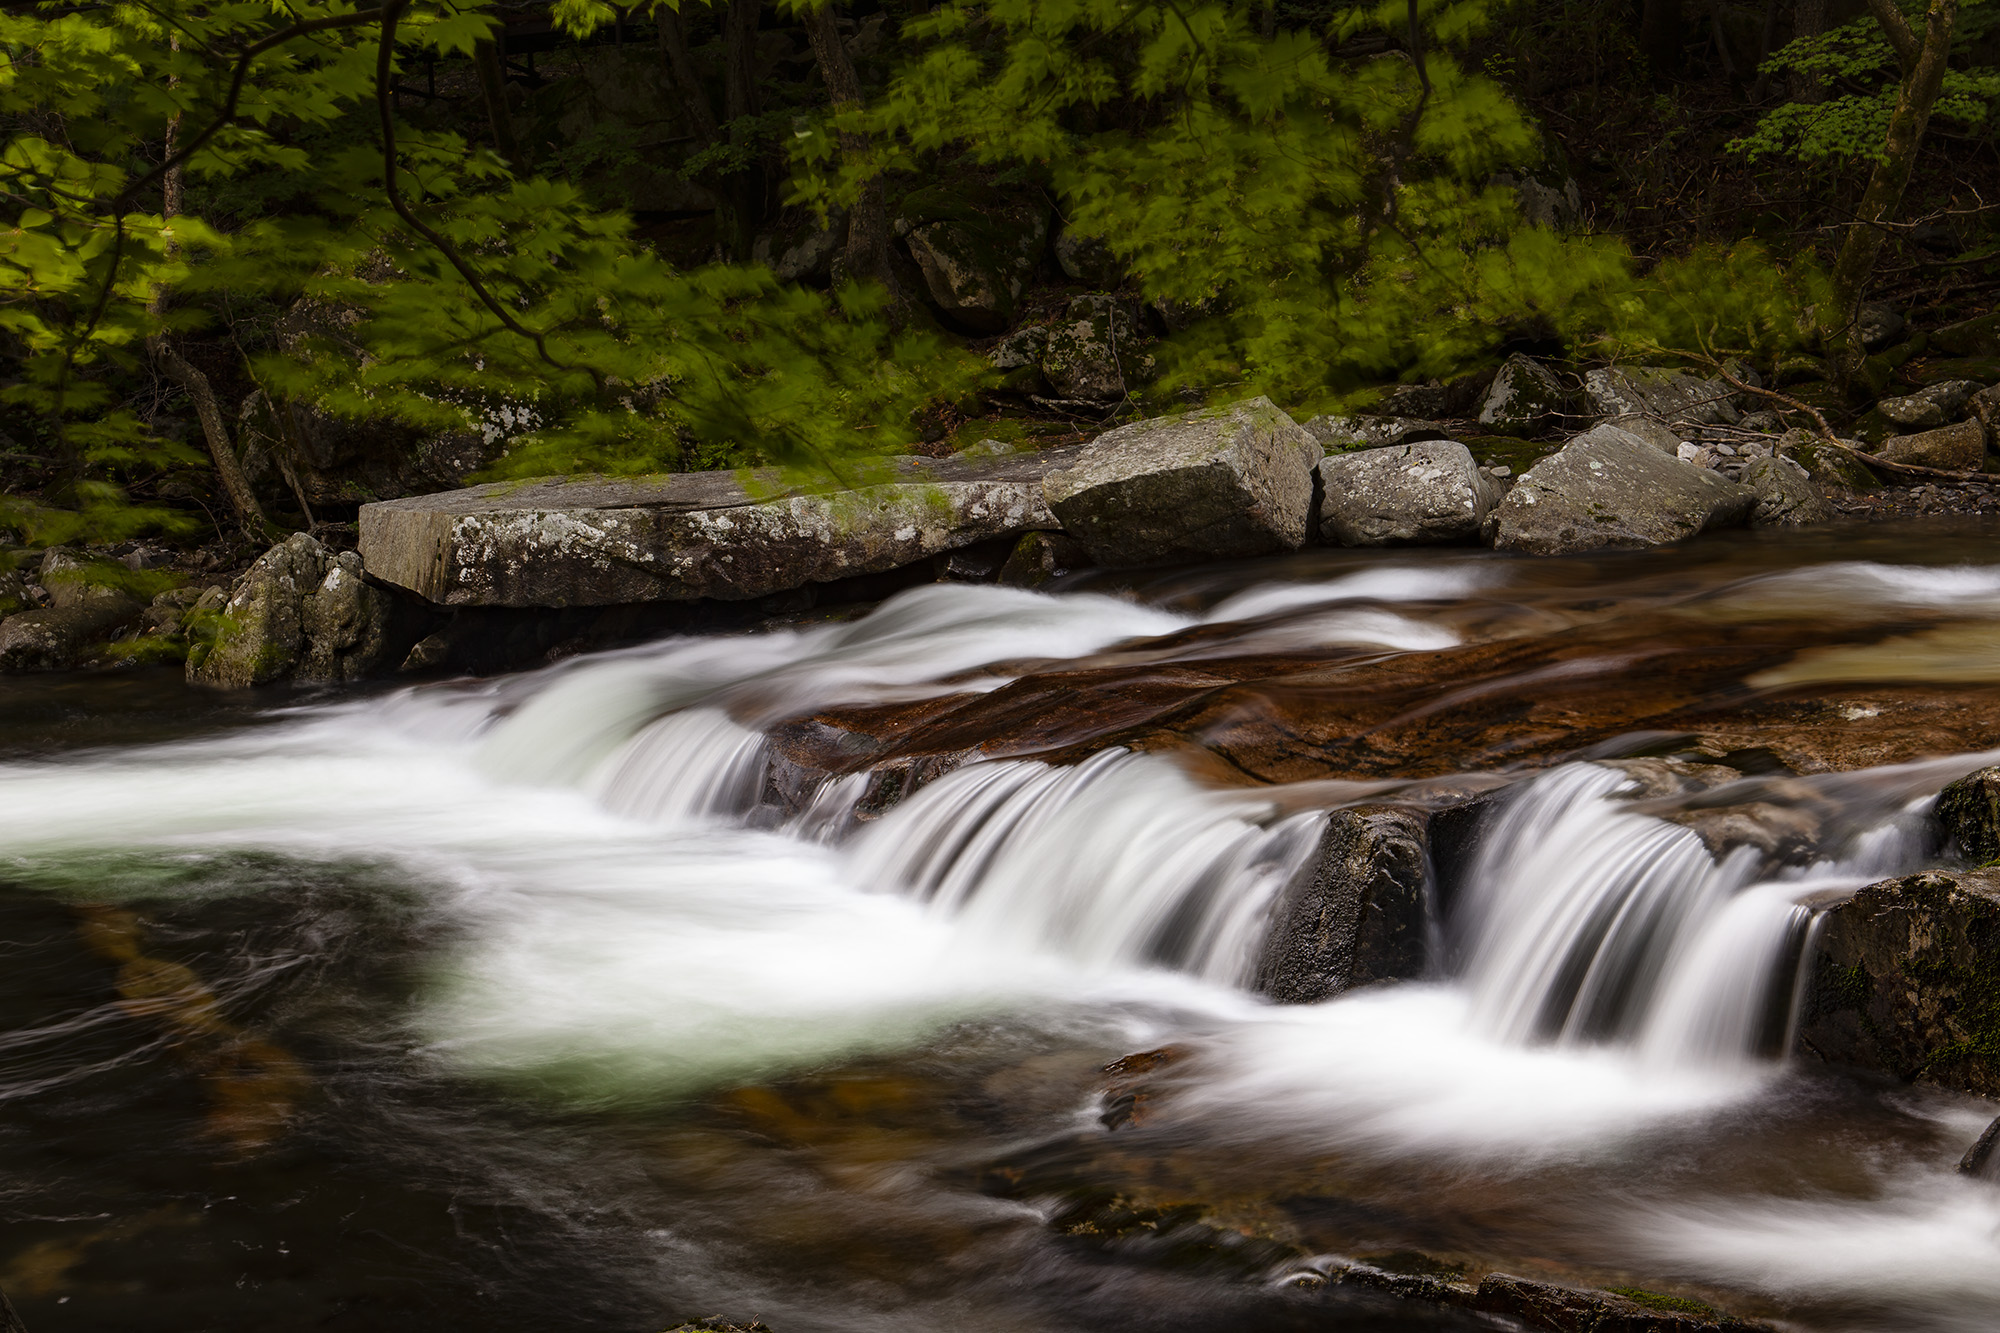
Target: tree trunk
(1764, 47)
(744, 188)
(493, 92)
(1886, 184)
(1660, 23)
(683, 77)
(867, 254)
(1808, 20)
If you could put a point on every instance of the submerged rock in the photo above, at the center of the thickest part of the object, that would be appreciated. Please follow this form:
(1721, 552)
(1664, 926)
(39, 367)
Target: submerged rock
(1906, 979)
(1968, 814)
(1358, 918)
(301, 612)
(1414, 494)
(1607, 488)
(1229, 481)
(595, 541)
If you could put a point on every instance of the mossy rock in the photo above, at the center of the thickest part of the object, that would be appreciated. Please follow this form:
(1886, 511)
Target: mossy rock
(1985, 369)
(1968, 812)
(1979, 336)
(1834, 469)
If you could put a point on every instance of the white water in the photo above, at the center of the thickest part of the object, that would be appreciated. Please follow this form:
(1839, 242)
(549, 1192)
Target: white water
(623, 929)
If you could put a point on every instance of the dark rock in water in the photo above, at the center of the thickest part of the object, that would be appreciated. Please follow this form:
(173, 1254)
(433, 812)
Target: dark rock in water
(593, 541)
(1968, 811)
(1525, 398)
(1039, 557)
(1607, 488)
(717, 1324)
(1980, 1161)
(1786, 496)
(1229, 481)
(1358, 918)
(1907, 980)
(1429, 494)
(1545, 1305)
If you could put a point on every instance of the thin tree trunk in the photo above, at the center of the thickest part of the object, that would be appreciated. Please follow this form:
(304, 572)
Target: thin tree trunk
(1764, 47)
(214, 429)
(1808, 20)
(684, 78)
(745, 187)
(1922, 79)
(493, 92)
(867, 254)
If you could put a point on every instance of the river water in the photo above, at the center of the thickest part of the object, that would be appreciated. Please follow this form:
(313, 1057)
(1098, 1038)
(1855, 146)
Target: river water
(515, 1002)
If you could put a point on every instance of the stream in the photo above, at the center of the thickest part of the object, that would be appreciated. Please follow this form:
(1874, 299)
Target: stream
(516, 1002)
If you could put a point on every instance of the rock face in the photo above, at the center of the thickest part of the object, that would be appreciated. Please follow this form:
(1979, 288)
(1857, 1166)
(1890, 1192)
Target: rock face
(1786, 496)
(1413, 494)
(1934, 406)
(1968, 814)
(301, 613)
(1607, 488)
(1524, 399)
(80, 615)
(1230, 481)
(1959, 448)
(1907, 980)
(1358, 918)
(593, 541)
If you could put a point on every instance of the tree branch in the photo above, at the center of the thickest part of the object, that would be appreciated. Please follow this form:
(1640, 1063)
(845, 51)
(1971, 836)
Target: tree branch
(1897, 29)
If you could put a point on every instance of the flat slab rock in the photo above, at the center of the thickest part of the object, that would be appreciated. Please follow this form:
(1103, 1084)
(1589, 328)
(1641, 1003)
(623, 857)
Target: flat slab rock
(598, 541)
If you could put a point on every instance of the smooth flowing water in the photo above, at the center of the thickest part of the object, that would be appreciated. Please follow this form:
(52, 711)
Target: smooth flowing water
(525, 1002)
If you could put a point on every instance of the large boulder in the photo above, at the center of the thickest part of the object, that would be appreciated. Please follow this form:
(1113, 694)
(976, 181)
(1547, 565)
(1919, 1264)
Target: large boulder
(1673, 396)
(1206, 485)
(1936, 405)
(596, 541)
(1372, 432)
(302, 613)
(1425, 494)
(1608, 488)
(1957, 448)
(80, 616)
(1092, 354)
(1786, 496)
(1978, 336)
(1906, 979)
(977, 249)
(1831, 468)
(1358, 917)
(1968, 815)
(1525, 399)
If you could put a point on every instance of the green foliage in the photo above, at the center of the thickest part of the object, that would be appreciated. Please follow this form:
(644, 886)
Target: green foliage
(1713, 303)
(1858, 69)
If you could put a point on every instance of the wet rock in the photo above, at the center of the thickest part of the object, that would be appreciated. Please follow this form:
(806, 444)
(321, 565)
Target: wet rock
(1980, 1162)
(1559, 1309)
(1092, 354)
(1968, 814)
(1786, 496)
(1938, 405)
(1959, 448)
(1879, 325)
(1673, 396)
(717, 1324)
(594, 541)
(1414, 494)
(1373, 432)
(1040, 557)
(1906, 979)
(1831, 468)
(1607, 488)
(976, 249)
(1524, 399)
(1358, 917)
(301, 612)
(1213, 484)
(1088, 260)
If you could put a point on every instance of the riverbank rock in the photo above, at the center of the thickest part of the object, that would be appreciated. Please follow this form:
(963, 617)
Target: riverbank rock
(1608, 488)
(1786, 496)
(1968, 814)
(1225, 482)
(977, 248)
(1373, 432)
(1427, 494)
(80, 615)
(1957, 448)
(1673, 396)
(597, 541)
(1906, 979)
(1358, 918)
(1525, 399)
(1937, 405)
(1092, 354)
(303, 613)
(1831, 468)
